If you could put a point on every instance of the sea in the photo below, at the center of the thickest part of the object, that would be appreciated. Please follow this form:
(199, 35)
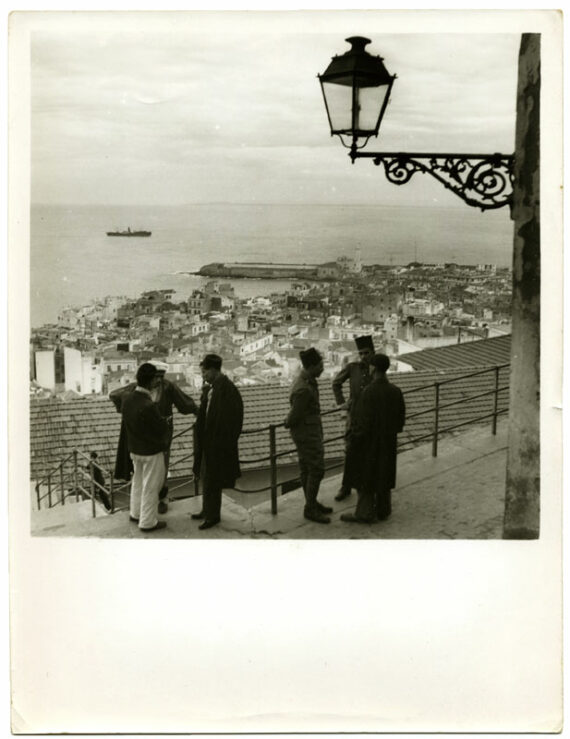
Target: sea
(73, 262)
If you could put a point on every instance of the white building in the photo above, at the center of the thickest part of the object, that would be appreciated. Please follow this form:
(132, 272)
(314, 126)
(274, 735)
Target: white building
(255, 344)
(46, 375)
(83, 373)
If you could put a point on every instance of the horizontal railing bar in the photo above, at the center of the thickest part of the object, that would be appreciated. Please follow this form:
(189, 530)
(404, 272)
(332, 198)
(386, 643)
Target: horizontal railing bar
(455, 379)
(466, 400)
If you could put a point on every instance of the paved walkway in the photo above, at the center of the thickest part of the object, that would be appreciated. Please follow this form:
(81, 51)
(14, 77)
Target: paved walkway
(458, 495)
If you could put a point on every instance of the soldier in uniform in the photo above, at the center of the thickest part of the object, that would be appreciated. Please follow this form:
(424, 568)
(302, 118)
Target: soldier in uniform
(378, 418)
(359, 375)
(304, 424)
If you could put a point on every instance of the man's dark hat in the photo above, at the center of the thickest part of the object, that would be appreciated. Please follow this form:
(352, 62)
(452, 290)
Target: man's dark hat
(364, 342)
(161, 367)
(310, 357)
(211, 361)
(380, 362)
(145, 373)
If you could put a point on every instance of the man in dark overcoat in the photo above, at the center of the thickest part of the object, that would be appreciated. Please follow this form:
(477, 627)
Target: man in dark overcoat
(216, 434)
(305, 426)
(167, 395)
(378, 418)
(358, 374)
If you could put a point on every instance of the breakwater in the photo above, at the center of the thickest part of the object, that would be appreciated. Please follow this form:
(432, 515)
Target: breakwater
(256, 270)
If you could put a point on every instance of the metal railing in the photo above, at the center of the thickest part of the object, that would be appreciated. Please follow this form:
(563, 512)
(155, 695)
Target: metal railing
(69, 480)
(274, 455)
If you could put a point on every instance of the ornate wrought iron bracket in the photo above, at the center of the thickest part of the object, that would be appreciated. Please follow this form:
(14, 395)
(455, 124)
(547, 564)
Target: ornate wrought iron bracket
(482, 180)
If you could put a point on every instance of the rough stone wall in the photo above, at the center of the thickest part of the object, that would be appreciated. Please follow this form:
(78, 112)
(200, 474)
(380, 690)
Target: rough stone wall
(522, 504)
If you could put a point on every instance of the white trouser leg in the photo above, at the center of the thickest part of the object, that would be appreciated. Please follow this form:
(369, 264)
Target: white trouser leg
(136, 486)
(152, 473)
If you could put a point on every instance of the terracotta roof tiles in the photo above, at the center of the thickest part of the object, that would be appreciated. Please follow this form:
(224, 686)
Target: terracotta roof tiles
(479, 353)
(92, 424)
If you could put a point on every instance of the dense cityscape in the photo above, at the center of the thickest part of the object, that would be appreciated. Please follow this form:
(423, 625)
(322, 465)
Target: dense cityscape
(95, 348)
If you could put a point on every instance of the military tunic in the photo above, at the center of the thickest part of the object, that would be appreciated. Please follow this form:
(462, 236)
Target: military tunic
(305, 426)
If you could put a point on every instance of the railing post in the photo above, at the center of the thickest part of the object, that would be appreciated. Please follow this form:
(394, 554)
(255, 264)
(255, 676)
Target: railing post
(273, 467)
(93, 509)
(496, 408)
(436, 421)
(62, 483)
(49, 490)
(75, 476)
(38, 497)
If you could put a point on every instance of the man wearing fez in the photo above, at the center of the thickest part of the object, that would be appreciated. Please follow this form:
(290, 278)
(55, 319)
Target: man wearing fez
(358, 374)
(216, 434)
(378, 418)
(304, 424)
(166, 394)
(147, 434)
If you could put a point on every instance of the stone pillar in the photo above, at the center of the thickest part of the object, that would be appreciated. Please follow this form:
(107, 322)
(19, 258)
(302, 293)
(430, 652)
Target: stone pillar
(522, 503)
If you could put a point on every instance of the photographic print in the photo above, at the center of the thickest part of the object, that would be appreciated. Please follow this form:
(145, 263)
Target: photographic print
(284, 285)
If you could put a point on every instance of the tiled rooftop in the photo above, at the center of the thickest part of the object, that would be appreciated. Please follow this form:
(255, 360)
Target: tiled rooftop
(480, 353)
(92, 424)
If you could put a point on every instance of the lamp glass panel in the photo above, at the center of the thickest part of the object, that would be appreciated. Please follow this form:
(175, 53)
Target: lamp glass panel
(370, 102)
(339, 103)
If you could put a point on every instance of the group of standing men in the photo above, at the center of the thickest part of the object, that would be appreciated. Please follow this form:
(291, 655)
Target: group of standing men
(375, 415)
(146, 435)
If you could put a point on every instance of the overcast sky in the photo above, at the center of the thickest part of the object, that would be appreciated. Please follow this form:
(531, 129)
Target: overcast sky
(171, 108)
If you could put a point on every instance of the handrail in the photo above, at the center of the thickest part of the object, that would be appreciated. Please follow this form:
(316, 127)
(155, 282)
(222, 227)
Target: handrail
(275, 455)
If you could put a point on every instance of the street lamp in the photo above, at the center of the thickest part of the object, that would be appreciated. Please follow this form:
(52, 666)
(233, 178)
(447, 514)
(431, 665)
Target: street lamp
(356, 88)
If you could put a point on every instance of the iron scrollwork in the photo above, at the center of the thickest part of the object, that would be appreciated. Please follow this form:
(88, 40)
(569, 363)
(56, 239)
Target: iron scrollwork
(481, 180)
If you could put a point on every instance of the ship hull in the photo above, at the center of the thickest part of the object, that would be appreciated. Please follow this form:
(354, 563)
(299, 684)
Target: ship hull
(129, 233)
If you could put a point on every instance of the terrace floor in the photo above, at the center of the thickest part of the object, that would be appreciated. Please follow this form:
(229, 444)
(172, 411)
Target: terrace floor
(458, 495)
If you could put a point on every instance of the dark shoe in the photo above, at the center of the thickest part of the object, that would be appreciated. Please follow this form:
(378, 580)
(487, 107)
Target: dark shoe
(208, 524)
(324, 508)
(351, 518)
(316, 516)
(162, 506)
(198, 516)
(342, 494)
(158, 525)
(132, 518)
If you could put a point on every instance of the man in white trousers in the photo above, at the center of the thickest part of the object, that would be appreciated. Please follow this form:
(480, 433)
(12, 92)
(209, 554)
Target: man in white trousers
(147, 437)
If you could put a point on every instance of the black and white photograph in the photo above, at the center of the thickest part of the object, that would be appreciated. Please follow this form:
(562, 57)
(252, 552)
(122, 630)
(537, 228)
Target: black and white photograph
(277, 290)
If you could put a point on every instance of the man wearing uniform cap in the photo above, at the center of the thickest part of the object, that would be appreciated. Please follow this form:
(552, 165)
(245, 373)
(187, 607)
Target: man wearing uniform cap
(216, 434)
(304, 424)
(166, 394)
(359, 375)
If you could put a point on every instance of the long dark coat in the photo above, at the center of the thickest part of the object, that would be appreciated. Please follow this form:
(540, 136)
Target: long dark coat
(379, 416)
(216, 434)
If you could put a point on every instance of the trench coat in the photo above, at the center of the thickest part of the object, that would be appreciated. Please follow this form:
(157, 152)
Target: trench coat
(216, 434)
(378, 418)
